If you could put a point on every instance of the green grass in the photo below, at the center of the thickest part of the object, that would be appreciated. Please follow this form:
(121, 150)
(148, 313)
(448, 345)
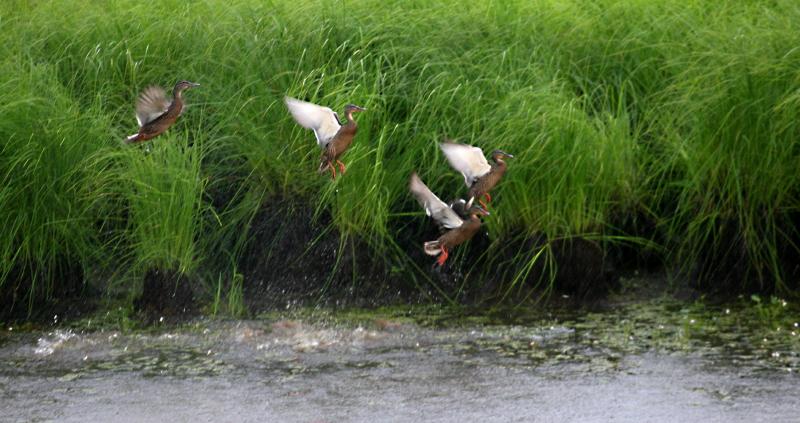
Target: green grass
(682, 115)
(47, 220)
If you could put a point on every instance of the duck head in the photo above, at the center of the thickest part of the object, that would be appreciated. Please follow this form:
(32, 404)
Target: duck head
(474, 209)
(352, 108)
(184, 85)
(499, 155)
(477, 210)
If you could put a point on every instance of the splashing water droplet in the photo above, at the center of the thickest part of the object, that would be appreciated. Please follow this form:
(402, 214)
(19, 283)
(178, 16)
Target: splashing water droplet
(48, 346)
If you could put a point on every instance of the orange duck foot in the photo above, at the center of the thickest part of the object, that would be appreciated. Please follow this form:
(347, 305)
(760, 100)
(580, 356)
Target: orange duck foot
(488, 200)
(328, 166)
(332, 168)
(341, 166)
(442, 257)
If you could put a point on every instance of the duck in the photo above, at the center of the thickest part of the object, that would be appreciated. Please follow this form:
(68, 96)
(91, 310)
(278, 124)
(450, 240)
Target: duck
(479, 175)
(457, 228)
(332, 137)
(460, 207)
(155, 113)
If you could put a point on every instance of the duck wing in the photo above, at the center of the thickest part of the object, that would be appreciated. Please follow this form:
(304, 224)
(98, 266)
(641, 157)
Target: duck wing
(151, 104)
(434, 207)
(322, 120)
(466, 159)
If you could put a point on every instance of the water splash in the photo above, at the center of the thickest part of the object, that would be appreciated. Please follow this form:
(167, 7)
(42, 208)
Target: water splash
(53, 341)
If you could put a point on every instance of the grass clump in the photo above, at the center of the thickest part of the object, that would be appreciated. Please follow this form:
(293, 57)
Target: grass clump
(49, 235)
(164, 189)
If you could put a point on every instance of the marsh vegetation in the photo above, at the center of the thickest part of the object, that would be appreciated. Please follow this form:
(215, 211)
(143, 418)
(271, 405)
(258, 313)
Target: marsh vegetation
(653, 132)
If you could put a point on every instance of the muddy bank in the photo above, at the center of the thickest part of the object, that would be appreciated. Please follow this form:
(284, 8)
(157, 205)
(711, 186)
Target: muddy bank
(164, 294)
(724, 266)
(293, 257)
(167, 293)
(24, 294)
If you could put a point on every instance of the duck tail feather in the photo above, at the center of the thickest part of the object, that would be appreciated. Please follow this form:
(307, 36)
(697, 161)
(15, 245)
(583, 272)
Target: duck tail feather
(433, 248)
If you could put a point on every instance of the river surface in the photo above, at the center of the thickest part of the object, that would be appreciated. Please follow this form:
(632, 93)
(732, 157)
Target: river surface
(646, 362)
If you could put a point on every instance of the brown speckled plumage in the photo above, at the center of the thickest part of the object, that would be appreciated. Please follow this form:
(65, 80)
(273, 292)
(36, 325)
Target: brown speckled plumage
(155, 113)
(332, 137)
(487, 182)
(339, 144)
(455, 237)
(460, 220)
(479, 176)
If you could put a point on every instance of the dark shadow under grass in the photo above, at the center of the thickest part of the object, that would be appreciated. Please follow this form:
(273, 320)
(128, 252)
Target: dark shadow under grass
(296, 258)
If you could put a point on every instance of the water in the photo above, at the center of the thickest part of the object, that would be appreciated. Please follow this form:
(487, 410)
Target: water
(651, 361)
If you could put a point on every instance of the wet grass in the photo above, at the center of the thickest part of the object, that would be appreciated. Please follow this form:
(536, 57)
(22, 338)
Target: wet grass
(633, 123)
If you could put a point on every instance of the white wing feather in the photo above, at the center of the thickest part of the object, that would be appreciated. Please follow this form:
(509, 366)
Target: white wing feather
(322, 120)
(434, 207)
(466, 159)
(151, 104)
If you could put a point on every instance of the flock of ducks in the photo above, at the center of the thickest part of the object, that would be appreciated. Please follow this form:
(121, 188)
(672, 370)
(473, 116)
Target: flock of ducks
(459, 221)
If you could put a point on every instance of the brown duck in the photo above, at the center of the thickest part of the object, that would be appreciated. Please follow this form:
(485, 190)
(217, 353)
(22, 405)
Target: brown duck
(479, 175)
(333, 137)
(155, 113)
(457, 229)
